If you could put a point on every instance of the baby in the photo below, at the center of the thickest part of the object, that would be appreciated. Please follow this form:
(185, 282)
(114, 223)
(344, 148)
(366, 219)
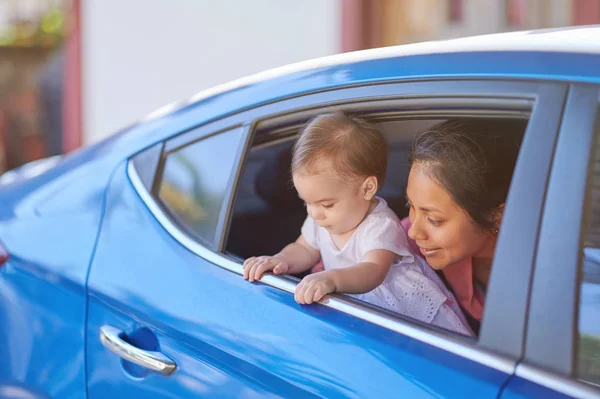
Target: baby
(338, 164)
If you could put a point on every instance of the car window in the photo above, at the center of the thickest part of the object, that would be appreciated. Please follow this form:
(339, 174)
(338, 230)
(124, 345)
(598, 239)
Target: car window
(588, 353)
(267, 213)
(194, 182)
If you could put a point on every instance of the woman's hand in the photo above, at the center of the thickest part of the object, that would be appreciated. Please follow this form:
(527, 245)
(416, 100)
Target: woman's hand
(255, 267)
(315, 286)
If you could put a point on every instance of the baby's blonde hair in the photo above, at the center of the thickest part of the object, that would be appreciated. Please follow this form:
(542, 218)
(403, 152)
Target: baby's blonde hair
(356, 148)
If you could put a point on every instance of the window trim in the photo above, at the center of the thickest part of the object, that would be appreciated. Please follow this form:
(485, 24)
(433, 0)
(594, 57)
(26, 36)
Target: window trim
(486, 353)
(560, 241)
(523, 214)
(412, 106)
(148, 160)
(505, 89)
(232, 185)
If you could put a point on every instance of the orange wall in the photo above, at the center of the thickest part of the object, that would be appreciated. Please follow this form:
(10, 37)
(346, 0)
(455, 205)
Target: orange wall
(586, 12)
(72, 108)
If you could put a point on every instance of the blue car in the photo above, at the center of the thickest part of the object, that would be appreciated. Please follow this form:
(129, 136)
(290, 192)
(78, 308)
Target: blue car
(120, 264)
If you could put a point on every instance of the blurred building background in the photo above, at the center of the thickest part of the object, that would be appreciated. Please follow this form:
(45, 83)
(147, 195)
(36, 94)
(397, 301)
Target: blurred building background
(30, 33)
(75, 71)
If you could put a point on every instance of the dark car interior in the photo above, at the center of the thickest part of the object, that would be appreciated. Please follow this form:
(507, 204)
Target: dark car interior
(268, 214)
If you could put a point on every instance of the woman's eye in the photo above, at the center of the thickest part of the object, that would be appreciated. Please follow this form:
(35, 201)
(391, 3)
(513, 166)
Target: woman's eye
(304, 204)
(435, 222)
(408, 205)
(329, 206)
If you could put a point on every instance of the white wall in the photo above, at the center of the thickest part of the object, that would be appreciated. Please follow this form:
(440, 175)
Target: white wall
(138, 55)
(489, 16)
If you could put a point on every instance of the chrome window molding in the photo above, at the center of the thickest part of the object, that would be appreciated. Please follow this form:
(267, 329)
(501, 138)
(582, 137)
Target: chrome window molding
(395, 116)
(558, 383)
(434, 338)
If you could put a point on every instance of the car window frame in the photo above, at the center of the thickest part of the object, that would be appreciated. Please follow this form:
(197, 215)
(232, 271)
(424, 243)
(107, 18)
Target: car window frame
(544, 96)
(193, 136)
(550, 359)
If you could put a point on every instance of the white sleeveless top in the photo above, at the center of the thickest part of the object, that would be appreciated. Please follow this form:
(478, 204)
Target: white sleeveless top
(408, 288)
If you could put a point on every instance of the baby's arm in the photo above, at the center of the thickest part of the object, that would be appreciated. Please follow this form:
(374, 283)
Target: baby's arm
(366, 275)
(296, 257)
(356, 279)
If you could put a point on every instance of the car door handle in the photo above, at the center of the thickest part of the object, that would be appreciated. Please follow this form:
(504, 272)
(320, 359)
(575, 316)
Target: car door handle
(155, 361)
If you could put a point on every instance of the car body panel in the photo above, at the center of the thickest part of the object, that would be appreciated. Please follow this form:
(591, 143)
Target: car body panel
(256, 343)
(49, 224)
(29, 169)
(43, 299)
(521, 388)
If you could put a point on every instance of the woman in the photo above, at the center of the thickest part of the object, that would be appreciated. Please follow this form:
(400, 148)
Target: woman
(460, 172)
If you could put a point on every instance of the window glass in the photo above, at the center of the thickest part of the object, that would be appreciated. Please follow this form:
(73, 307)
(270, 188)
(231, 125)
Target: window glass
(195, 179)
(588, 354)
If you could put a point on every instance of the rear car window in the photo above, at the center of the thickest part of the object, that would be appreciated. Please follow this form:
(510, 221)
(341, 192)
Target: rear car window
(194, 183)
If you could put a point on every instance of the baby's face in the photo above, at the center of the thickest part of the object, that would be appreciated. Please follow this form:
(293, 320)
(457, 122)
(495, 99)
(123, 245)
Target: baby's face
(333, 202)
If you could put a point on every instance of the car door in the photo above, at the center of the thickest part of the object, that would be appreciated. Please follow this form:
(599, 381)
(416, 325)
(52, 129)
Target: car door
(562, 352)
(164, 294)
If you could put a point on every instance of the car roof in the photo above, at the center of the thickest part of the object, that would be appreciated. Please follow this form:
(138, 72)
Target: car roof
(575, 39)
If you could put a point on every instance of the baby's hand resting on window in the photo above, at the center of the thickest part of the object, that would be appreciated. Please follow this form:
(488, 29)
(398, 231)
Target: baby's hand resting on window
(314, 287)
(255, 267)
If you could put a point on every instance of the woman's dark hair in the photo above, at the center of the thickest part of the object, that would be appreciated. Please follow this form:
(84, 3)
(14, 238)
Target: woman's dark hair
(473, 160)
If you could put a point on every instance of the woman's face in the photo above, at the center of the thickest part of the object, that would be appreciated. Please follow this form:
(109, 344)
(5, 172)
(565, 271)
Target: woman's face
(443, 231)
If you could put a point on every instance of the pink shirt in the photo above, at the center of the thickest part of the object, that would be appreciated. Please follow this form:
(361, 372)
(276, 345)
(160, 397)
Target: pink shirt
(460, 277)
